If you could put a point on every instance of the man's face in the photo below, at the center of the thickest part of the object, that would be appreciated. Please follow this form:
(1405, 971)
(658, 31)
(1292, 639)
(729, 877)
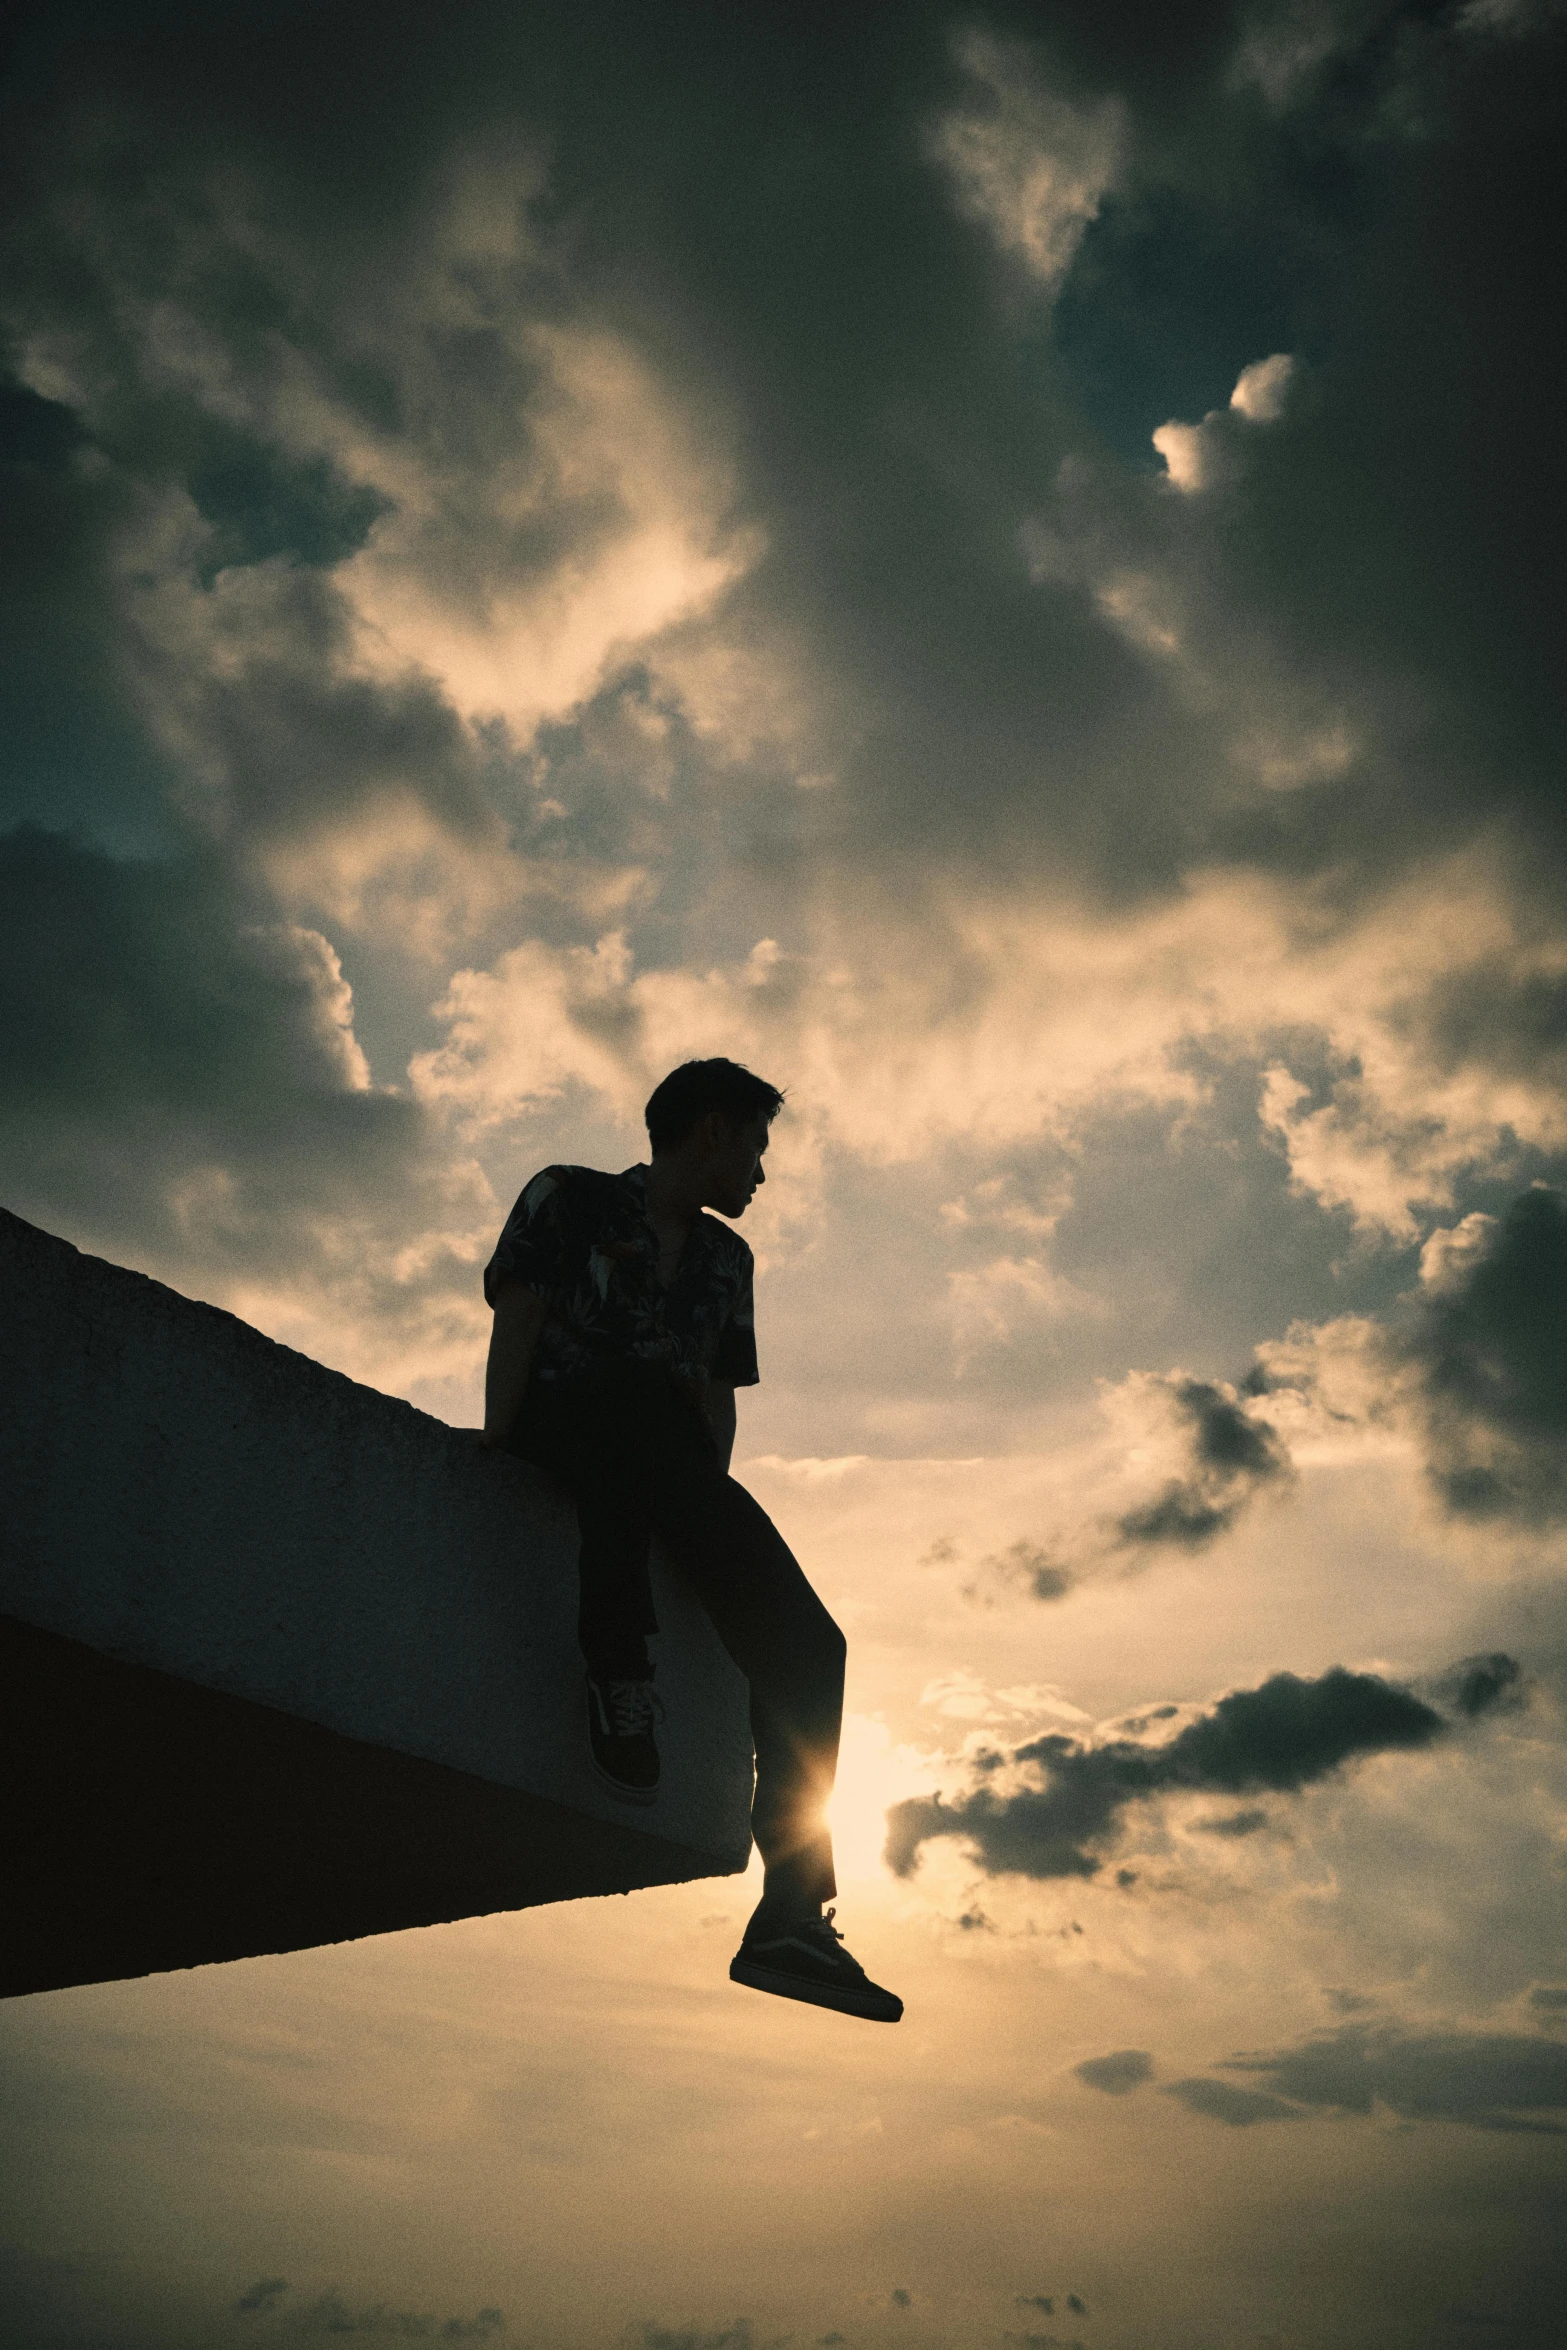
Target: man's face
(734, 1170)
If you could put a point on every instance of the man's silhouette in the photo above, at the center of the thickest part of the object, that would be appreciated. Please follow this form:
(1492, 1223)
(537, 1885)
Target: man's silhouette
(623, 1326)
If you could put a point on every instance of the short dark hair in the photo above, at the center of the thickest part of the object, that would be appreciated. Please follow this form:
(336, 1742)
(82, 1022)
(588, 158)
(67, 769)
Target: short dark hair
(696, 1087)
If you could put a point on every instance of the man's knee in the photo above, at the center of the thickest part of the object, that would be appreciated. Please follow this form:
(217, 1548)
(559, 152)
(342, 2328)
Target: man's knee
(824, 1643)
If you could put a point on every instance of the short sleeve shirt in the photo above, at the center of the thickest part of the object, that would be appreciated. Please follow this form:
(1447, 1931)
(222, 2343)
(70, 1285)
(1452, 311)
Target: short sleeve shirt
(582, 1241)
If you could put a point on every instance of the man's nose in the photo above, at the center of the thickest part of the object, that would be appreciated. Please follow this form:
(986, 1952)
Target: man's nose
(761, 1174)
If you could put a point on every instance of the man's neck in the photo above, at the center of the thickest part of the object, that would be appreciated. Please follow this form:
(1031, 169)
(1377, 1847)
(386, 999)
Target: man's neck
(674, 1193)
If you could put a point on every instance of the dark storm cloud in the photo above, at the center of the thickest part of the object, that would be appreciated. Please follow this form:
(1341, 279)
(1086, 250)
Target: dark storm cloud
(216, 252)
(893, 450)
(1031, 1565)
(731, 2337)
(1473, 1363)
(1231, 1457)
(1463, 575)
(76, 750)
(1508, 2082)
(263, 2294)
(1446, 153)
(157, 672)
(1489, 1349)
(1233, 1824)
(1281, 1737)
(1479, 1685)
(1221, 2101)
(331, 2314)
(1119, 2074)
(890, 454)
(1489, 1015)
(158, 1035)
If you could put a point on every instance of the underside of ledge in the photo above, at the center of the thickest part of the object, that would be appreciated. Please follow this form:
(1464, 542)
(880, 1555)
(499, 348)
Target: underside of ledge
(151, 1824)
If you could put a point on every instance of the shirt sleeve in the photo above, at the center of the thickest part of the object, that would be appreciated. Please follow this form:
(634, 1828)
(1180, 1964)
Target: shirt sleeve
(531, 1248)
(735, 1357)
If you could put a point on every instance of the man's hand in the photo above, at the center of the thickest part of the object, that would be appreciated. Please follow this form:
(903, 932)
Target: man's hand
(519, 1317)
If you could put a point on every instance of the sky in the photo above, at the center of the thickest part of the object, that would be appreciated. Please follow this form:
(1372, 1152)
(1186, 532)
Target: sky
(999, 566)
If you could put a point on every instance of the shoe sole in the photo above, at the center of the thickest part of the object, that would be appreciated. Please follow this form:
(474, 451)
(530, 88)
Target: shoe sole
(873, 2007)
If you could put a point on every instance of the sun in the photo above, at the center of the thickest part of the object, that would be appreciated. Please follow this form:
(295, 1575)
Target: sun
(873, 1773)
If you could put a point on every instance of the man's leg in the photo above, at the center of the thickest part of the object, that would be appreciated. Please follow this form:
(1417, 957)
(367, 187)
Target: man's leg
(600, 1452)
(792, 1653)
(788, 1647)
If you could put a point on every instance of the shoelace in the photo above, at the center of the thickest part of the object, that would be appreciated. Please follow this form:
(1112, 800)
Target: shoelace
(819, 1930)
(632, 1706)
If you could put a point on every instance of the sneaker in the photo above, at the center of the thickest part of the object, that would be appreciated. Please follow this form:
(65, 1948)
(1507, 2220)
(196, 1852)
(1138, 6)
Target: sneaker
(807, 1961)
(621, 1715)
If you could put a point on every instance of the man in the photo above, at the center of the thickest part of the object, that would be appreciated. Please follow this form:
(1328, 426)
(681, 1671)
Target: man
(623, 1326)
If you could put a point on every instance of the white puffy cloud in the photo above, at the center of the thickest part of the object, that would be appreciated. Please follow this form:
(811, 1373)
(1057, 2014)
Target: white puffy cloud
(454, 588)
(1057, 1014)
(1262, 388)
(992, 1301)
(1206, 456)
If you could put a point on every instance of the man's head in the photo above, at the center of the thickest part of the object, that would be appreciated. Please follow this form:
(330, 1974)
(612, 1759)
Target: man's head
(713, 1117)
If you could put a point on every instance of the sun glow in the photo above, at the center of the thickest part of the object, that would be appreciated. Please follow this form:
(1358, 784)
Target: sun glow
(872, 1774)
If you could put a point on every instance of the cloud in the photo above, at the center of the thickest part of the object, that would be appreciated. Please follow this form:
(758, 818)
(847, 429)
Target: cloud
(1031, 1564)
(1479, 1685)
(1470, 1364)
(1282, 1737)
(1117, 2075)
(156, 1028)
(330, 2314)
(1221, 2101)
(1261, 389)
(1503, 2082)
(1233, 1824)
(1027, 165)
(1212, 454)
(990, 1303)
(1231, 1455)
(494, 493)
(264, 2294)
(736, 2336)
(482, 567)
(1486, 1347)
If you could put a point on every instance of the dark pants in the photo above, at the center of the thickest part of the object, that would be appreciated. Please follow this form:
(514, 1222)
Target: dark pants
(639, 1459)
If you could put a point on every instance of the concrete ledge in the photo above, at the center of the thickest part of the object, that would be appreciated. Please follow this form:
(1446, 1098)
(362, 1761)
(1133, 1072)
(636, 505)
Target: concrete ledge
(282, 1601)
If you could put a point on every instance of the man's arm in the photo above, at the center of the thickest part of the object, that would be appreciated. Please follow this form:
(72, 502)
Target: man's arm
(519, 1317)
(718, 1400)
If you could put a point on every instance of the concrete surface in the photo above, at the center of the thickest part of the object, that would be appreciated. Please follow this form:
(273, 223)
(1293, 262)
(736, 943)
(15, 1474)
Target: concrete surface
(317, 1612)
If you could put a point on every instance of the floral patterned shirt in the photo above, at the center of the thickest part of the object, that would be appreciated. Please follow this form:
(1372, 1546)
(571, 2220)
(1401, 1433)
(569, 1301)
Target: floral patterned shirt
(582, 1241)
